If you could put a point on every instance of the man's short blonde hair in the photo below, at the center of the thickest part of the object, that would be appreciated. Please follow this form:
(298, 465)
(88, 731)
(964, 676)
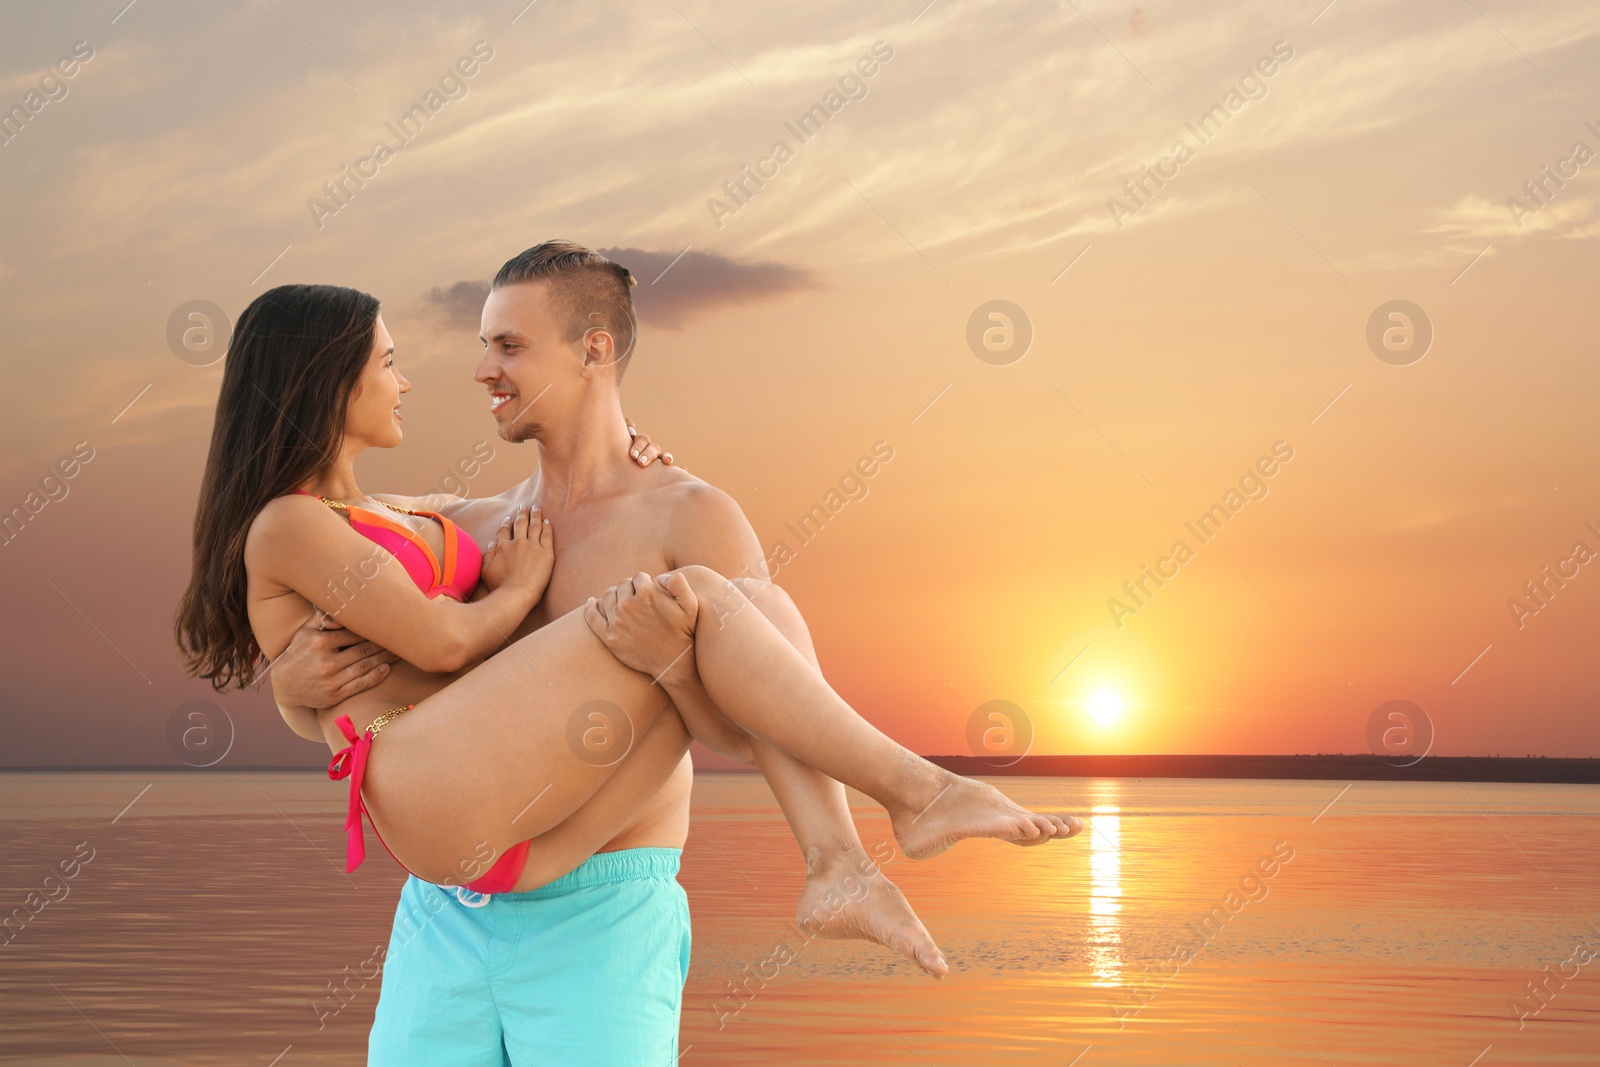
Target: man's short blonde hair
(589, 289)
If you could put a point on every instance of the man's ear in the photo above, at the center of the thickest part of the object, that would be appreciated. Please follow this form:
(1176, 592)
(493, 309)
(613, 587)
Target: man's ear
(599, 348)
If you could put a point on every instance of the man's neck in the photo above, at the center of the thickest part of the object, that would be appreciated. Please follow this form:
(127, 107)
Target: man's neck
(585, 457)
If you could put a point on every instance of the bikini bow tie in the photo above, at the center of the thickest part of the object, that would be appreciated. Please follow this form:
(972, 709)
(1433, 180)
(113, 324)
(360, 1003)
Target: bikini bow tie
(351, 761)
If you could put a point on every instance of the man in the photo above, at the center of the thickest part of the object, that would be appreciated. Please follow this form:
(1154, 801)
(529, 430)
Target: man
(467, 975)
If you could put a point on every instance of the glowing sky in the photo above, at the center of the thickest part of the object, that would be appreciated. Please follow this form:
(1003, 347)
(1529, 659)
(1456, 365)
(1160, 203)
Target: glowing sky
(1179, 332)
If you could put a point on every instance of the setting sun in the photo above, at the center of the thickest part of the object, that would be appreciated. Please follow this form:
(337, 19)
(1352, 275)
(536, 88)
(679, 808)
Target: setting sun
(1105, 706)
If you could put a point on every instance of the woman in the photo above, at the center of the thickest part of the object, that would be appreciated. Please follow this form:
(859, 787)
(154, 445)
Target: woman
(309, 383)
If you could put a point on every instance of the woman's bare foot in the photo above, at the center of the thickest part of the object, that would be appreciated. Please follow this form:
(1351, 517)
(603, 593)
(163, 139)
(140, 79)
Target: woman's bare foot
(846, 905)
(966, 807)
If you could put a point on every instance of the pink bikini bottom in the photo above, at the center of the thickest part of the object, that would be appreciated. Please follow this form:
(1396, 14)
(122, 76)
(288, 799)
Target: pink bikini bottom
(351, 762)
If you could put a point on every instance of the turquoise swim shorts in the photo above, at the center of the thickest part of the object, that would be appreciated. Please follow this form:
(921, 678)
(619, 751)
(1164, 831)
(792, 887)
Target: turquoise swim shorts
(586, 970)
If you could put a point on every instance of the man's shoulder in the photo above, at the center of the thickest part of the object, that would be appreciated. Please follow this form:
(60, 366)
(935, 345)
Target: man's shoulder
(685, 496)
(706, 525)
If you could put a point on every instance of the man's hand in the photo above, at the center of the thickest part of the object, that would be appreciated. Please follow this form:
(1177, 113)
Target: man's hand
(325, 664)
(643, 451)
(648, 624)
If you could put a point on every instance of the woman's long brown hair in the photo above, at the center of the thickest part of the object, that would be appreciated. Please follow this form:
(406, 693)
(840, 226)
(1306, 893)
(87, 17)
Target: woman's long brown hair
(292, 365)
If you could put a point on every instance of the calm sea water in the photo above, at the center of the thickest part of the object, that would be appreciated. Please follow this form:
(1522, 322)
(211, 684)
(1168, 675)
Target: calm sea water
(1402, 930)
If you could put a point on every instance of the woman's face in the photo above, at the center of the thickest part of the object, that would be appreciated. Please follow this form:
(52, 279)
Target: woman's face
(373, 418)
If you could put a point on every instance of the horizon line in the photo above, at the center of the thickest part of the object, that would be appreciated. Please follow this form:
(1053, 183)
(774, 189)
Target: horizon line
(235, 769)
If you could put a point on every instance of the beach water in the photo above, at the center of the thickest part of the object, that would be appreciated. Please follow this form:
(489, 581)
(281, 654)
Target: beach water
(206, 917)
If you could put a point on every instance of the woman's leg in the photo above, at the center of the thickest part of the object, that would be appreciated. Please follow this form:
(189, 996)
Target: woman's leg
(765, 686)
(502, 754)
(845, 895)
(508, 751)
(642, 781)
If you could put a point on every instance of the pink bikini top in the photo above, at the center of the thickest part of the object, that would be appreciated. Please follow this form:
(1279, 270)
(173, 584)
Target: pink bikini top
(455, 578)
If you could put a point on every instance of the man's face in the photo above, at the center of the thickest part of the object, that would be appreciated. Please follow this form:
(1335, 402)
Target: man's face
(525, 359)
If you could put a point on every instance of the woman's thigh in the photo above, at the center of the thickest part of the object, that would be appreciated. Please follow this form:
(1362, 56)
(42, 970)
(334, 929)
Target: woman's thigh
(506, 752)
(644, 804)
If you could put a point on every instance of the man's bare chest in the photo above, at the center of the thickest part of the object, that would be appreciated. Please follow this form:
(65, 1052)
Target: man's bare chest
(596, 547)
(590, 562)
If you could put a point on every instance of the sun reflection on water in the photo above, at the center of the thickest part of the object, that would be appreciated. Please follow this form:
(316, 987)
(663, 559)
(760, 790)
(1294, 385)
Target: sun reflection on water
(1105, 887)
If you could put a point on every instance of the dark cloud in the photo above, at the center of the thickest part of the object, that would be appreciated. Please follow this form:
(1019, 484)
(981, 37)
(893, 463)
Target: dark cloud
(700, 281)
(697, 282)
(462, 303)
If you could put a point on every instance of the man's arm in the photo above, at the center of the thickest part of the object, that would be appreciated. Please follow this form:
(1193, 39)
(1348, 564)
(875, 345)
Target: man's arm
(324, 665)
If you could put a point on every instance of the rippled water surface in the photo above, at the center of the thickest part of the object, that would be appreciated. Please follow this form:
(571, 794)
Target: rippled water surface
(1399, 924)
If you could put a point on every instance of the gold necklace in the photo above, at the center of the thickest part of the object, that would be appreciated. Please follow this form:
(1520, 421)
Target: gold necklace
(342, 506)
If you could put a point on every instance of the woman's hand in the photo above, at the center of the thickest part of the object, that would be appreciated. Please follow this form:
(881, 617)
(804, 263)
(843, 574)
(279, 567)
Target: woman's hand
(643, 451)
(522, 554)
(648, 624)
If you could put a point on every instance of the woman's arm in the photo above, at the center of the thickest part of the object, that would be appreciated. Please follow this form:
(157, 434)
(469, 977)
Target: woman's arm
(298, 544)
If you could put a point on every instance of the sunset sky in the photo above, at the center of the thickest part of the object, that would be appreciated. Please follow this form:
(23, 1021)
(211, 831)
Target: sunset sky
(1180, 332)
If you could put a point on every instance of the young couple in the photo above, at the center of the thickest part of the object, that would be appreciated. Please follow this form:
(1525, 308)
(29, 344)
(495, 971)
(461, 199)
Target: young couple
(496, 661)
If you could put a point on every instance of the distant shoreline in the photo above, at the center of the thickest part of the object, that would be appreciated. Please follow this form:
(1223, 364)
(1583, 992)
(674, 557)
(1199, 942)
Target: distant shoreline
(1549, 770)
